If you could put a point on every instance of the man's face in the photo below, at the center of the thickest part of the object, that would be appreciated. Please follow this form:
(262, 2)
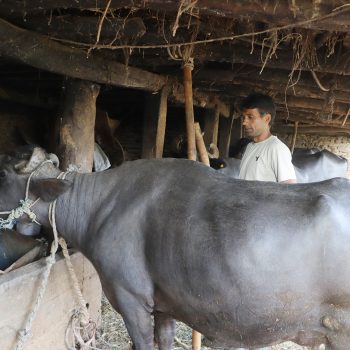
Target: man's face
(255, 124)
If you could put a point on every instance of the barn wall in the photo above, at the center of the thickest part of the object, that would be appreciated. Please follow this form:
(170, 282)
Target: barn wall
(338, 145)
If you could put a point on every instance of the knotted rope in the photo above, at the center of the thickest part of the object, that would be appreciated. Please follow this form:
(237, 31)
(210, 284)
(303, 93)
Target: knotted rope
(25, 205)
(23, 208)
(83, 328)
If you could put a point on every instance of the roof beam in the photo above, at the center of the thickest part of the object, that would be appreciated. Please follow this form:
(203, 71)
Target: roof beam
(41, 52)
(271, 12)
(336, 64)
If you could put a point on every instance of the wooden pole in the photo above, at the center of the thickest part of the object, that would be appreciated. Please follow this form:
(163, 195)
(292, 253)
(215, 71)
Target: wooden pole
(191, 142)
(294, 137)
(163, 106)
(216, 126)
(191, 149)
(76, 144)
(202, 151)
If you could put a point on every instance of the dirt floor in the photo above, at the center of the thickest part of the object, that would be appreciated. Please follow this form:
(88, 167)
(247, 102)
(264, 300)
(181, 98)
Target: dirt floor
(112, 334)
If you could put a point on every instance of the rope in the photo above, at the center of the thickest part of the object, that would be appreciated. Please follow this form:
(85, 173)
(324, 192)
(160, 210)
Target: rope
(26, 331)
(25, 205)
(23, 208)
(335, 12)
(83, 328)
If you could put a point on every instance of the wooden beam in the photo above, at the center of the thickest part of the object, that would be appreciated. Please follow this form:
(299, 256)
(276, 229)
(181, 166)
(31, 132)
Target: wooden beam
(279, 77)
(84, 28)
(315, 130)
(40, 52)
(256, 82)
(279, 13)
(315, 104)
(335, 64)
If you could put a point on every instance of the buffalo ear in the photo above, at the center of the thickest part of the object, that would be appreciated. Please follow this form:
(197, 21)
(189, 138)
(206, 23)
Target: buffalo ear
(49, 189)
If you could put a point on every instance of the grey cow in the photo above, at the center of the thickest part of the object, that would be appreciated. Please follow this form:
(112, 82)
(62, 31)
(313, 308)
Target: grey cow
(247, 264)
(310, 166)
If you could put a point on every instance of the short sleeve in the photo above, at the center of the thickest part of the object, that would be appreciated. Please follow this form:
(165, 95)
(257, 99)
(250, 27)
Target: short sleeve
(282, 163)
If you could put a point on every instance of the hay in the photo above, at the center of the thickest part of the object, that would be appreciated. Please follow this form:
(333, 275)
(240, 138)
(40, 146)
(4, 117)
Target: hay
(112, 334)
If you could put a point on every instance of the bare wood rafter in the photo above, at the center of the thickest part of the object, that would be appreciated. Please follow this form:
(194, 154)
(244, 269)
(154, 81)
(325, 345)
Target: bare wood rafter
(40, 52)
(278, 13)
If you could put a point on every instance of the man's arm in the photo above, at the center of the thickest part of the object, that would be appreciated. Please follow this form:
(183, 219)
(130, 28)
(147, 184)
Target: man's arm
(290, 181)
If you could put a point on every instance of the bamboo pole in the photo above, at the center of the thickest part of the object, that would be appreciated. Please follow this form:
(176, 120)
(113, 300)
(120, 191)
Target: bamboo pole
(294, 137)
(202, 151)
(216, 126)
(191, 148)
(161, 123)
(191, 142)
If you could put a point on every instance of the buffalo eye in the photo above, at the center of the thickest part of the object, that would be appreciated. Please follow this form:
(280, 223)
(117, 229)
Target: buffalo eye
(3, 174)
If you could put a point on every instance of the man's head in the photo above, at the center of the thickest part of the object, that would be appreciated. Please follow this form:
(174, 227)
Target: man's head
(258, 112)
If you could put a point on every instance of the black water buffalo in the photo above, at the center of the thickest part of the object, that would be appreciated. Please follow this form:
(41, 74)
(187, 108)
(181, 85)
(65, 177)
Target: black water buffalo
(247, 264)
(310, 166)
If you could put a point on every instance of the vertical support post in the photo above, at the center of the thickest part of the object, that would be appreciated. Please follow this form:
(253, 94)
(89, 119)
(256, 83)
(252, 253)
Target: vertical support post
(236, 131)
(76, 144)
(163, 106)
(154, 124)
(225, 135)
(215, 134)
(191, 150)
(211, 128)
(191, 143)
(294, 139)
(202, 151)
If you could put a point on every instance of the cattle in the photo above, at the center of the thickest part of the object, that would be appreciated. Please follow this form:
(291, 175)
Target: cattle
(13, 246)
(245, 263)
(318, 166)
(309, 165)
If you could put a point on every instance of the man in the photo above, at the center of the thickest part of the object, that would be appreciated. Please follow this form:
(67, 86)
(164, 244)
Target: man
(266, 158)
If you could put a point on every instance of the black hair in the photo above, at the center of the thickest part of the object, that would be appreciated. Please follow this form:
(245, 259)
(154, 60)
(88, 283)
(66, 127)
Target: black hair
(263, 103)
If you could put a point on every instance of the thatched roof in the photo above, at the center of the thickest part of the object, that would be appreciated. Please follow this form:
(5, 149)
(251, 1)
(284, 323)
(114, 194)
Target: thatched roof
(297, 51)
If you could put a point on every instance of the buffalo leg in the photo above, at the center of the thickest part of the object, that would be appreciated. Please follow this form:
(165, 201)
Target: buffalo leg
(137, 318)
(164, 331)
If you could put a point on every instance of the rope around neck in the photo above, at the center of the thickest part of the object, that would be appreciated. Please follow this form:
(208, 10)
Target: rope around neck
(83, 328)
(25, 205)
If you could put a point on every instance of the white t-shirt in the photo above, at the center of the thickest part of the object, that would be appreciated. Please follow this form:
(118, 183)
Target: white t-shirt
(268, 160)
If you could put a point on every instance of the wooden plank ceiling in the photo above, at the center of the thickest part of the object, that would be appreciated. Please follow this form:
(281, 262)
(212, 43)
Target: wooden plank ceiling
(297, 51)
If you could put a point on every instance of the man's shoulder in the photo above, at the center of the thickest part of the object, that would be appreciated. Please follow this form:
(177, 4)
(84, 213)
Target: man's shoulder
(276, 143)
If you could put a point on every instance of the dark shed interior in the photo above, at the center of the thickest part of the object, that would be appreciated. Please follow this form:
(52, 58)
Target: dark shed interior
(296, 51)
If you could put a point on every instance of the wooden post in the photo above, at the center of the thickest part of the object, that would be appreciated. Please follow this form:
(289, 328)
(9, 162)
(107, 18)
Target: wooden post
(202, 151)
(203, 156)
(225, 136)
(191, 142)
(76, 144)
(154, 124)
(211, 127)
(294, 137)
(163, 106)
(191, 151)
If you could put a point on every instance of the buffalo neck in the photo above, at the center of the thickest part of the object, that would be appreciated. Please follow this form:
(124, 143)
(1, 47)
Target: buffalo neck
(75, 209)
